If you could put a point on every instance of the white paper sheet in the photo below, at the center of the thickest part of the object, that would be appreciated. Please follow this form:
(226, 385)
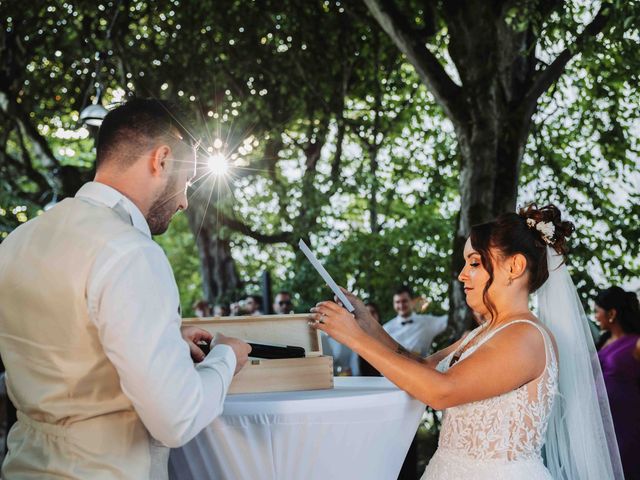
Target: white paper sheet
(325, 276)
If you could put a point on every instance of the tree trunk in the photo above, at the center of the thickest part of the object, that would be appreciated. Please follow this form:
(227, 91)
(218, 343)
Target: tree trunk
(496, 67)
(490, 164)
(219, 274)
(490, 106)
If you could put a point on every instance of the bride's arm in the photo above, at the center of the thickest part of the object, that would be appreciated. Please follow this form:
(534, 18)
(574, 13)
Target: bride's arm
(434, 359)
(375, 330)
(512, 358)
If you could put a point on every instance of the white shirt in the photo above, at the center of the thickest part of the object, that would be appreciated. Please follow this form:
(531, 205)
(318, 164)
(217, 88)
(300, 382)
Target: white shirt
(133, 300)
(418, 333)
(345, 360)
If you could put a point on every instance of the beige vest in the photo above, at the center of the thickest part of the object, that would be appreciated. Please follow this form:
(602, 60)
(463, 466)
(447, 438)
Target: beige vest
(74, 421)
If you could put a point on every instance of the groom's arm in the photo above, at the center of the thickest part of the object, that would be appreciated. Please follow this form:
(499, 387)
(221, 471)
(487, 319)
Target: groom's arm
(133, 302)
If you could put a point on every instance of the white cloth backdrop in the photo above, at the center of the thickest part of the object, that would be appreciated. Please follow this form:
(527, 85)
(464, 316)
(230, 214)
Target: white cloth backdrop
(359, 430)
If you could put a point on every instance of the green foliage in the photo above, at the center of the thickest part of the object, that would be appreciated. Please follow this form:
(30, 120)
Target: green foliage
(182, 253)
(284, 79)
(583, 155)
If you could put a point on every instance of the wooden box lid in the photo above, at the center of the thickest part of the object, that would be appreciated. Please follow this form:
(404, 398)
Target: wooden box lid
(290, 329)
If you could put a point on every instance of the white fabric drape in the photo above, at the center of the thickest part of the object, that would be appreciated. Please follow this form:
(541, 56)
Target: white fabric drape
(359, 430)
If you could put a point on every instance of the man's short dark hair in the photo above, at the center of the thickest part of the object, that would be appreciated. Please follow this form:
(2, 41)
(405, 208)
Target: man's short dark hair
(256, 298)
(404, 289)
(133, 126)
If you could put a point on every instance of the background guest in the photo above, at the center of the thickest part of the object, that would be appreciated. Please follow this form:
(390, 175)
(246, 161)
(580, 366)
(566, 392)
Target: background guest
(282, 304)
(618, 314)
(345, 360)
(414, 332)
(366, 369)
(234, 309)
(221, 310)
(253, 305)
(202, 309)
(374, 310)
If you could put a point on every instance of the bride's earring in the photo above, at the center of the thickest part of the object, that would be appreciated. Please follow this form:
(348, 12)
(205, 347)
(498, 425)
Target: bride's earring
(509, 282)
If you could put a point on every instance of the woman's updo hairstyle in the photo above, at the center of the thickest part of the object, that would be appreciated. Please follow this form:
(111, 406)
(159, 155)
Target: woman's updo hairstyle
(527, 232)
(626, 307)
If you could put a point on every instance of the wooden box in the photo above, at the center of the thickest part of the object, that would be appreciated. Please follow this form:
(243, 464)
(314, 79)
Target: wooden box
(314, 372)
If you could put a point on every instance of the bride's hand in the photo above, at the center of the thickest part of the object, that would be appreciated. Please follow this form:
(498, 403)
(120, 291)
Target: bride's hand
(364, 318)
(337, 322)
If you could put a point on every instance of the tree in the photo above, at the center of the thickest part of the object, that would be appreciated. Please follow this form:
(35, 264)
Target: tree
(236, 55)
(332, 137)
(312, 109)
(485, 64)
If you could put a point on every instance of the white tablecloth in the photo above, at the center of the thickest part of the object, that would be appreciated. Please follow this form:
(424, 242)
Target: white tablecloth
(359, 430)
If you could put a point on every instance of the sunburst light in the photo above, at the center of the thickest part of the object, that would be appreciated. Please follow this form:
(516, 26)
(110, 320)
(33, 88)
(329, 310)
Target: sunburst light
(218, 164)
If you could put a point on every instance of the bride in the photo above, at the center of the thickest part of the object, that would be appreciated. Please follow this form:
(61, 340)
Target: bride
(523, 396)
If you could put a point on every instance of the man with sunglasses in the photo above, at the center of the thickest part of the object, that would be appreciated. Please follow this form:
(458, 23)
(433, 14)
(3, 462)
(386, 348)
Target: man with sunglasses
(282, 304)
(90, 335)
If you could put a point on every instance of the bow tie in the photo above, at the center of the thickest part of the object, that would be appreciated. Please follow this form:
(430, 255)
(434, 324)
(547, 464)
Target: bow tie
(406, 321)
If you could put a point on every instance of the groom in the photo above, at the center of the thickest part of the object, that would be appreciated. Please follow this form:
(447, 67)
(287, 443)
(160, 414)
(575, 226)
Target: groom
(90, 320)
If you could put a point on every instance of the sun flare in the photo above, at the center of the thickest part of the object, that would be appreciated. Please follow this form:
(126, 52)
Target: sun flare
(218, 164)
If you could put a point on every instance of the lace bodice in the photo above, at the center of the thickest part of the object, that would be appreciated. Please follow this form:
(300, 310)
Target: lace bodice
(511, 426)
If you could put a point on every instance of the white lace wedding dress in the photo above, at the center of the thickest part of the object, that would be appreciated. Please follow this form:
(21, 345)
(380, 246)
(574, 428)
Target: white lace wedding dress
(500, 437)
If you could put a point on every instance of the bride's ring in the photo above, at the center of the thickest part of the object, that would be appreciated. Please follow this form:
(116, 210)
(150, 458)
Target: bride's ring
(322, 317)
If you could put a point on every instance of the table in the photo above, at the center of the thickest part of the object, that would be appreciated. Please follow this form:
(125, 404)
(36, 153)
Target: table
(359, 430)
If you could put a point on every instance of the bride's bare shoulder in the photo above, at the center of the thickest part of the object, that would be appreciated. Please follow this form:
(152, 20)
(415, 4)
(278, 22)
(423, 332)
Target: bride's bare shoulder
(527, 336)
(549, 334)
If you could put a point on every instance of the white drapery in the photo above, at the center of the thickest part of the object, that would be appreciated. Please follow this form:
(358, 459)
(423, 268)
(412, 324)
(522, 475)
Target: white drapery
(359, 430)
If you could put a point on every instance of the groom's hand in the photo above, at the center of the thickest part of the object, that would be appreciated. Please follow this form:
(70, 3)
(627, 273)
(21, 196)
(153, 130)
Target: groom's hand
(240, 348)
(193, 336)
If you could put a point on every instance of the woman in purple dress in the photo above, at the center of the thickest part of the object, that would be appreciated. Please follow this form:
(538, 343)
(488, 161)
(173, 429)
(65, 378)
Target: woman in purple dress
(618, 314)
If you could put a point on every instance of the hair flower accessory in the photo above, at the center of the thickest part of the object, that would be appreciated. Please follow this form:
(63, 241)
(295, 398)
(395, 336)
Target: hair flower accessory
(546, 229)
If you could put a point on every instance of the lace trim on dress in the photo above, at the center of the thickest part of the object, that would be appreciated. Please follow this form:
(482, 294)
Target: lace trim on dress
(511, 426)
